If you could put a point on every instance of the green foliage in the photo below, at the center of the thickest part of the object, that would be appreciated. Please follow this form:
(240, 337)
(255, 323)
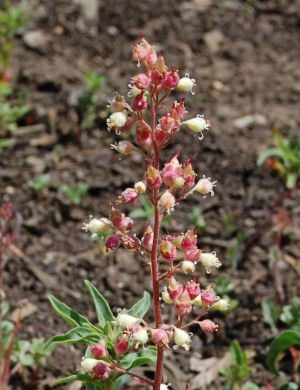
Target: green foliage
(40, 183)
(234, 250)
(239, 368)
(89, 99)
(25, 353)
(287, 158)
(145, 211)
(12, 18)
(291, 313)
(285, 340)
(75, 194)
(196, 218)
(9, 113)
(271, 313)
(83, 332)
(230, 225)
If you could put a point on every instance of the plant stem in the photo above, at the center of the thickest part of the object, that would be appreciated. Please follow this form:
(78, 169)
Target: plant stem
(154, 263)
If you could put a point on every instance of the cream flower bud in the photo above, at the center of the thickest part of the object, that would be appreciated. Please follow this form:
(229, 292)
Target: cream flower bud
(126, 320)
(197, 301)
(117, 120)
(186, 84)
(221, 305)
(140, 187)
(187, 267)
(141, 336)
(205, 186)
(166, 297)
(197, 124)
(210, 260)
(167, 201)
(87, 365)
(182, 338)
(96, 225)
(164, 387)
(178, 183)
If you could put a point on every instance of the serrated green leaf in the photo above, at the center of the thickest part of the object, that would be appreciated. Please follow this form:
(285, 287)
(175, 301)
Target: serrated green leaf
(286, 339)
(140, 358)
(140, 308)
(66, 313)
(103, 310)
(78, 335)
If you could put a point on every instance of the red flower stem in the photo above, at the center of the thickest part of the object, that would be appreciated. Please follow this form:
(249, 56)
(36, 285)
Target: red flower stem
(154, 263)
(135, 376)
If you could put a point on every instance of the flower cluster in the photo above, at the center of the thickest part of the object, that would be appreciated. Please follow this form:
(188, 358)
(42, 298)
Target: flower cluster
(165, 187)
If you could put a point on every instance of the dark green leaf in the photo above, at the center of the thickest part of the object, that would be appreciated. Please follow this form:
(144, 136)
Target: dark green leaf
(78, 335)
(140, 358)
(65, 312)
(104, 313)
(286, 339)
(140, 308)
(269, 153)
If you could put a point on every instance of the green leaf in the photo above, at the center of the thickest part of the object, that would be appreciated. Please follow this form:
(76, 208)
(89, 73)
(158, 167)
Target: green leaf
(237, 355)
(72, 378)
(272, 152)
(250, 386)
(286, 339)
(78, 335)
(271, 313)
(140, 308)
(291, 313)
(66, 313)
(6, 143)
(289, 386)
(103, 310)
(140, 358)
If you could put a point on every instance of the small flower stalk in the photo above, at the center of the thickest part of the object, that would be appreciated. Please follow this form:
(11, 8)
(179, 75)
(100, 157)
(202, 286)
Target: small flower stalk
(172, 257)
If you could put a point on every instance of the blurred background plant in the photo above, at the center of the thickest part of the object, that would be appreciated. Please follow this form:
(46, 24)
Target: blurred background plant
(76, 193)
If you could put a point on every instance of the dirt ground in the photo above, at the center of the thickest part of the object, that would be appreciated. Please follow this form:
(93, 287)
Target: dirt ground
(244, 57)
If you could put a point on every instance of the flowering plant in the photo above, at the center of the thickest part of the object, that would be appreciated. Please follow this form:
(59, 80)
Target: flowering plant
(119, 343)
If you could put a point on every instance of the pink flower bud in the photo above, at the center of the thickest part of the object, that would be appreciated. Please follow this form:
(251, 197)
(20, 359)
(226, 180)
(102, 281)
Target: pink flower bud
(120, 221)
(118, 103)
(130, 243)
(175, 289)
(101, 371)
(144, 53)
(171, 79)
(124, 147)
(189, 241)
(129, 196)
(153, 178)
(148, 238)
(156, 77)
(122, 344)
(188, 174)
(193, 289)
(167, 201)
(151, 58)
(130, 121)
(208, 326)
(172, 170)
(168, 124)
(160, 337)
(167, 250)
(208, 296)
(143, 136)
(141, 81)
(178, 110)
(112, 242)
(98, 350)
(183, 304)
(192, 255)
(139, 102)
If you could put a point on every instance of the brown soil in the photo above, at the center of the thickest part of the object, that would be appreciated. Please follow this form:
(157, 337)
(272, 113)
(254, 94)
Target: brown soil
(244, 56)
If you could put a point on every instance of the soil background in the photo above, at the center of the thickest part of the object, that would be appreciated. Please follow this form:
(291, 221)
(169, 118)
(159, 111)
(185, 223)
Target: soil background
(245, 58)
